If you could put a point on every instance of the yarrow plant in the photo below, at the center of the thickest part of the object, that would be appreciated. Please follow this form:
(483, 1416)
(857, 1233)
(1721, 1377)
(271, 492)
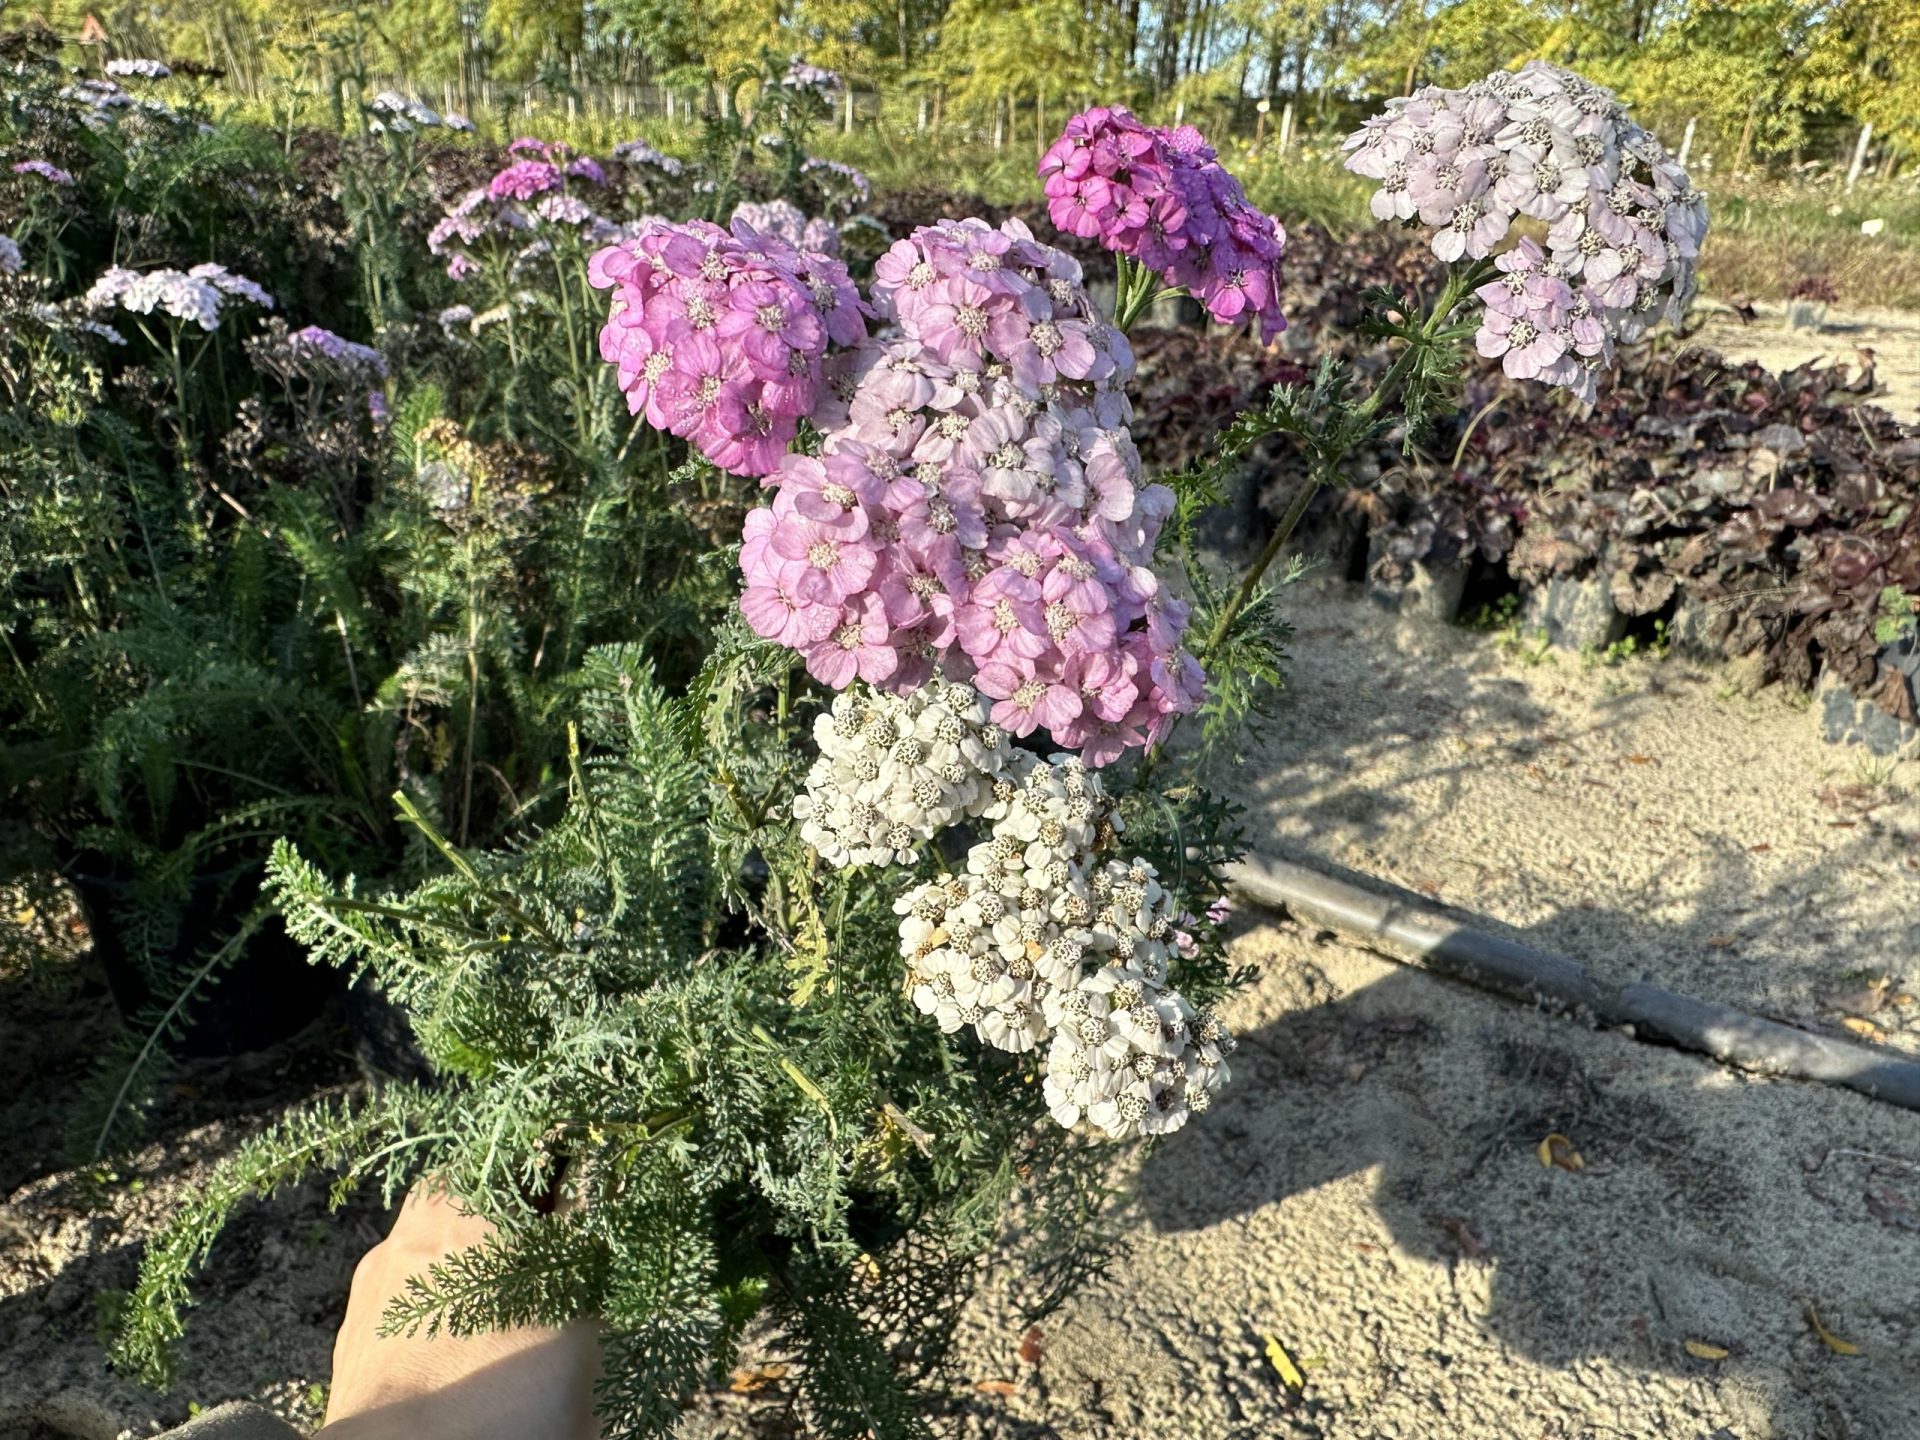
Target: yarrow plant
(807, 986)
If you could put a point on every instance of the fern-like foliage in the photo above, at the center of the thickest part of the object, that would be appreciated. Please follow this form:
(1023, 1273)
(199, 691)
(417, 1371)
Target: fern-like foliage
(649, 1009)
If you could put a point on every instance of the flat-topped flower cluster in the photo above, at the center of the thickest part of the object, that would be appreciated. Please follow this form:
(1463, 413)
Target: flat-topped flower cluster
(720, 336)
(543, 189)
(1040, 944)
(1623, 221)
(1161, 197)
(197, 296)
(976, 509)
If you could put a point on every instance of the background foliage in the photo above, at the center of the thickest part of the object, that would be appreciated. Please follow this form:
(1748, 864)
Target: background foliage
(1780, 79)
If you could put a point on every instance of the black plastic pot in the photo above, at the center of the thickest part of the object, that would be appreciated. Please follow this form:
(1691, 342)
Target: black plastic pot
(267, 992)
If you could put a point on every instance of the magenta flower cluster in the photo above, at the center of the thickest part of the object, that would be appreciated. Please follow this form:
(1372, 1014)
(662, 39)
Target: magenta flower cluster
(1161, 197)
(976, 509)
(505, 213)
(1624, 221)
(549, 167)
(721, 336)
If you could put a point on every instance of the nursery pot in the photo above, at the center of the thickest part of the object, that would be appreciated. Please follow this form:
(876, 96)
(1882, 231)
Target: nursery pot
(265, 993)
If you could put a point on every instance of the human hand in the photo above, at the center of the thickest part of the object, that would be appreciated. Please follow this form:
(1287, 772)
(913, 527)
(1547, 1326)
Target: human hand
(504, 1385)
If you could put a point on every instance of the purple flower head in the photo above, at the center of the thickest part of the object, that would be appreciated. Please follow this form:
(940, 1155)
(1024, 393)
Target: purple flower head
(46, 170)
(348, 357)
(983, 508)
(802, 76)
(524, 179)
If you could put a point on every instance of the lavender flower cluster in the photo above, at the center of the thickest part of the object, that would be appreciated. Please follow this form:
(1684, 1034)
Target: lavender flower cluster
(976, 510)
(197, 296)
(1037, 943)
(1624, 222)
(538, 188)
(782, 218)
(639, 152)
(11, 260)
(840, 184)
(721, 336)
(323, 349)
(46, 170)
(812, 78)
(1162, 198)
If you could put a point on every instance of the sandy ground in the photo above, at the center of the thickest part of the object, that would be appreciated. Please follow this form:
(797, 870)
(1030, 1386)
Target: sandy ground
(1368, 1196)
(1780, 340)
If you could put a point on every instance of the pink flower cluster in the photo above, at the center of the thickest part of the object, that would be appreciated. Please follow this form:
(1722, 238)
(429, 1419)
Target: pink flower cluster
(551, 168)
(505, 213)
(721, 336)
(977, 509)
(1161, 197)
(1624, 221)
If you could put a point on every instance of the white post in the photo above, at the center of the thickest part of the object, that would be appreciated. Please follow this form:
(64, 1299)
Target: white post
(1286, 127)
(997, 133)
(923, 115)
(1180, 113)
(1686, 139)
(1859, 154)
(848, 126)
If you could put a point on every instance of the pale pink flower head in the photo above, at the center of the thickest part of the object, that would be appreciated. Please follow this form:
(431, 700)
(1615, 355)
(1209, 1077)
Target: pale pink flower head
(1542, 144)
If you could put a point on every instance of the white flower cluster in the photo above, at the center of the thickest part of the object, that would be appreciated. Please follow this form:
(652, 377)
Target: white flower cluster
(894, 770)
(139, 69)
(10, 257)
(1130, 1055)
(390, 112)
(1005, 947)
(197, 295)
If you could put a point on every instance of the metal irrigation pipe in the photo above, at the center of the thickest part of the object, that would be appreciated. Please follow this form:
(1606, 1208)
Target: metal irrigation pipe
(1405, 928)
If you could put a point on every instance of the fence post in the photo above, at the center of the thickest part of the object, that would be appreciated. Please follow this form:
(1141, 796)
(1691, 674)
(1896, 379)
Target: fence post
(1286, 127)
(922, 126)
(1859, 153)
(1686, 140)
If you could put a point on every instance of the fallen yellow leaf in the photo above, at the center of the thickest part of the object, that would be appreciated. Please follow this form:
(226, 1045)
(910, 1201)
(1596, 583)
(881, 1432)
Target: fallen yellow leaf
(995, 1387)
(1865, 1029)
(1832, 1341)
(1556, 1149)
(1277, 1356)
(747, 1380)
(1701, 1350)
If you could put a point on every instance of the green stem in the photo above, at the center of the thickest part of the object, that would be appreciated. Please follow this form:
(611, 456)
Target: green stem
(1459, 284)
